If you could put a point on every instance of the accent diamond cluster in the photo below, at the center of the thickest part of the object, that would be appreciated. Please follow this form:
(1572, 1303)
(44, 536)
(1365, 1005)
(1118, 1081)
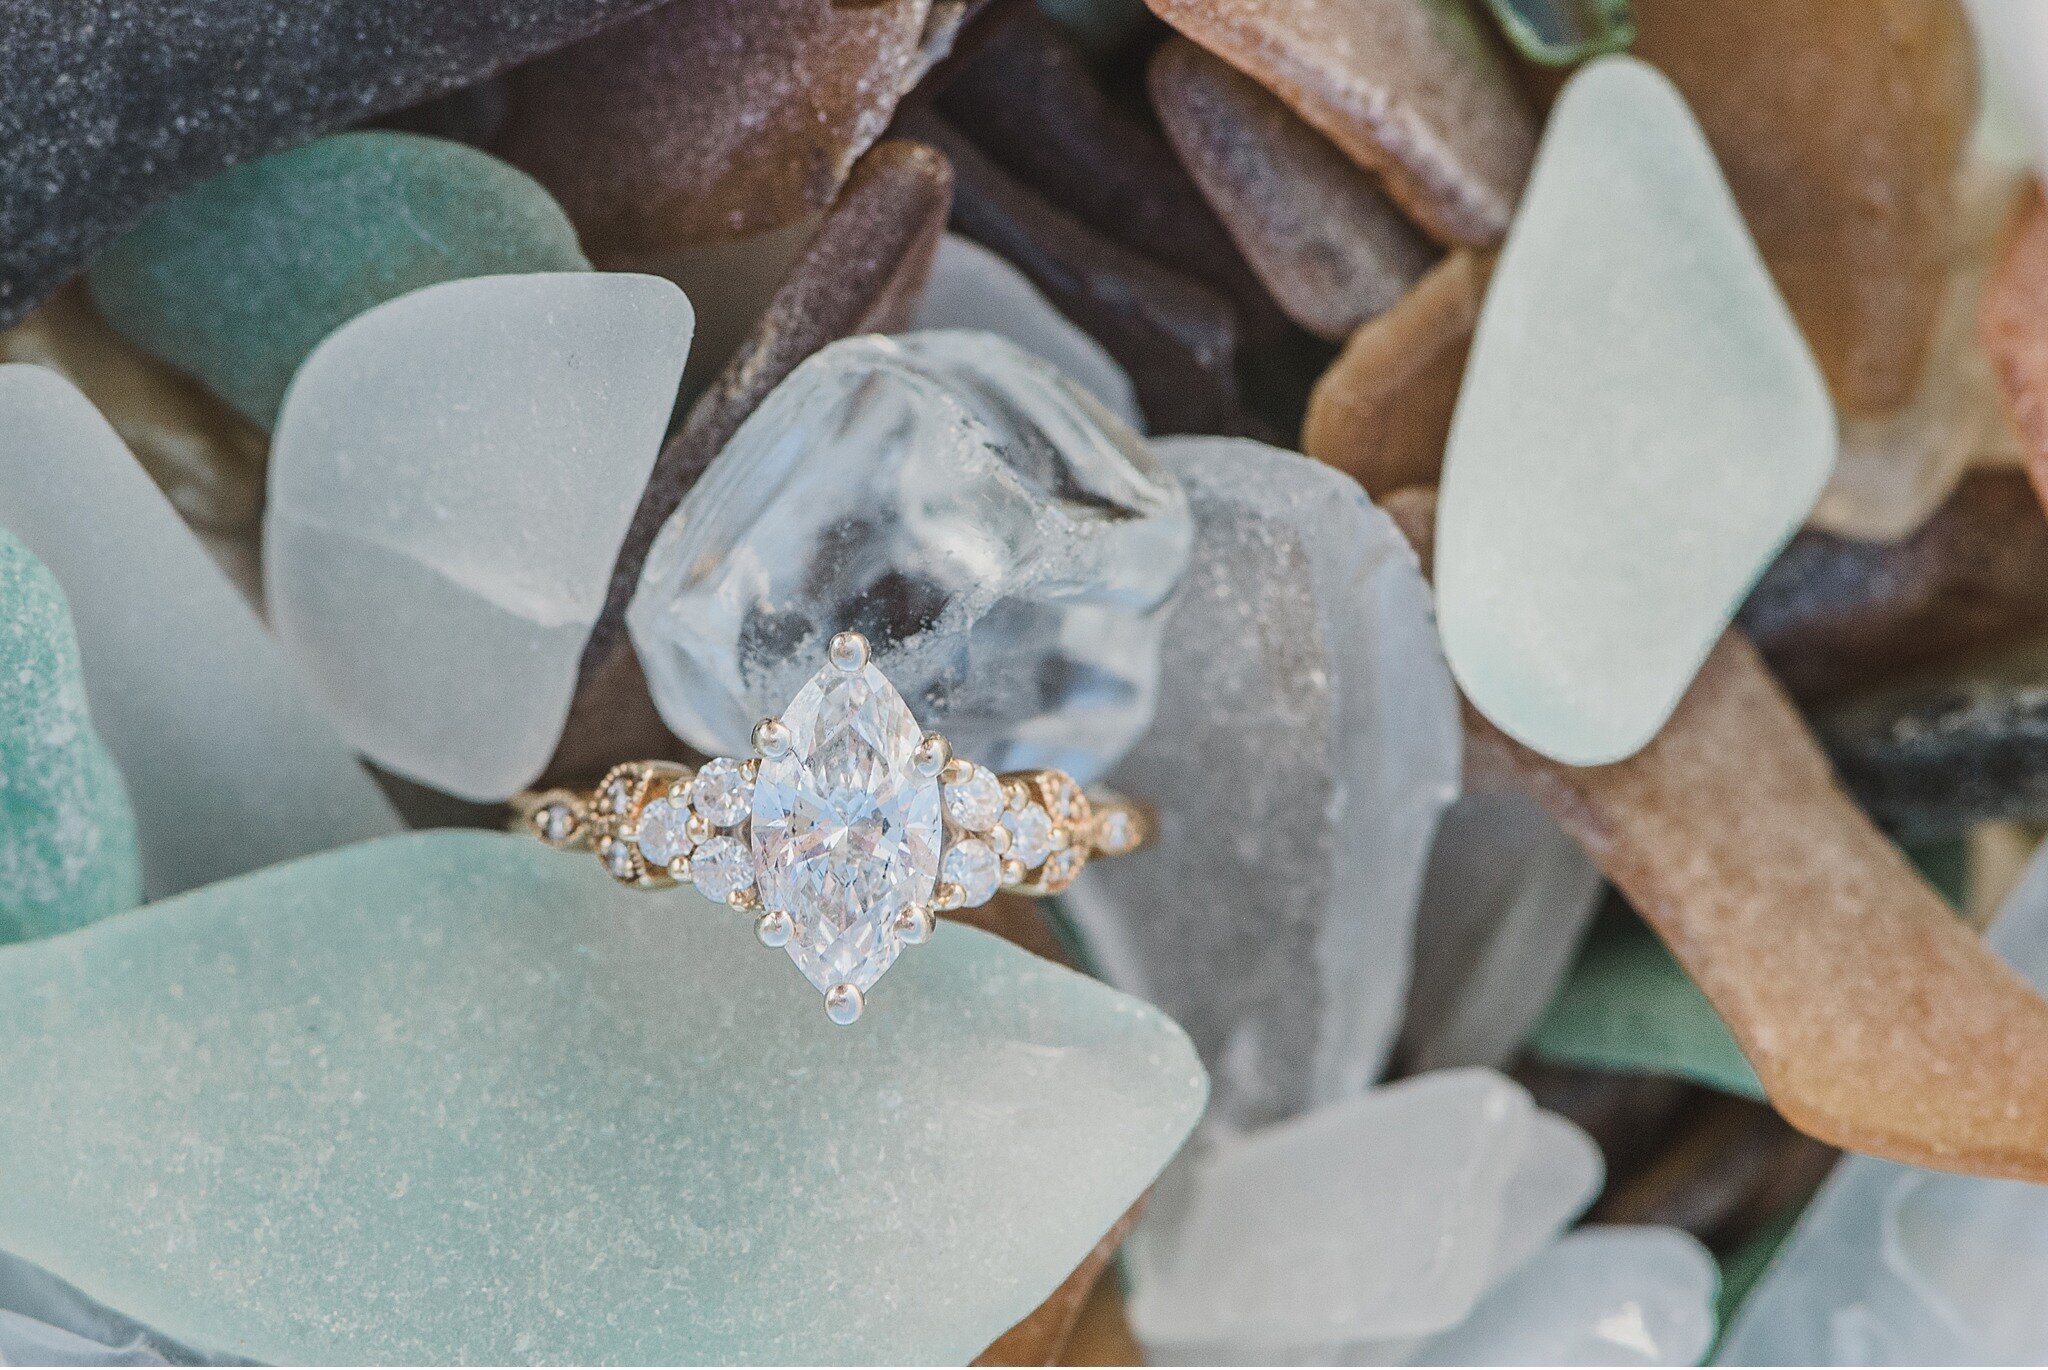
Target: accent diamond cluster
(846, 831)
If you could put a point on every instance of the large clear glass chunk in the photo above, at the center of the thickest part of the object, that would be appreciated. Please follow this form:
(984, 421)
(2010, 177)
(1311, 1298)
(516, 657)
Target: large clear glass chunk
(1007, 546)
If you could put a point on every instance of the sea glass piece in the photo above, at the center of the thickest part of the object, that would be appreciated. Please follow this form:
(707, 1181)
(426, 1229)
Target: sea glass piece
(1601, 1296)
(113, 109)
(230, 767)
(1416, 90)
(972, 288)
(1840, 130)
(1563, 33)
(1318, 229)
(206, 459)
(1876, 1020)
(237, 280)
(1628, 1005)
(1029, 97)
(1007, 546)
(1176, 338)
(2012, 331)
(452, 1036)
(451, 478)
(67, 834)
(1897, 1266)
(1371, 1219)
(1632, 335)
(1507, 897)
(1308, 766)
(1896, 468)
(1557, 1176)
(44, 1321)
(1382, 411)
(1834, 615)
(709, 120)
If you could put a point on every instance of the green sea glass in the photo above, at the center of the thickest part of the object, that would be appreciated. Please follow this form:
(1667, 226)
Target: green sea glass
(67, 835)
(1628, 1005)
(1641, 428)
(454, 1097)
(236, 280)
(1561, 33)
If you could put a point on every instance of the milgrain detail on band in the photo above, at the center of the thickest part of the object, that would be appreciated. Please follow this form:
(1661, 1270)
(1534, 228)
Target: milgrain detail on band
(846, 832)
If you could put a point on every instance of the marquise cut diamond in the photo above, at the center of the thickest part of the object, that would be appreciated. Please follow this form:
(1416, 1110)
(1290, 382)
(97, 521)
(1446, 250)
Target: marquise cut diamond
(846, 832)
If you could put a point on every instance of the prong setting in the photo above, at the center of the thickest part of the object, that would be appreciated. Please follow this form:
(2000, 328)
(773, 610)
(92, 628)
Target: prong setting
(771, 739)
(932, 756)
(915, 924)
(843, 1004)
(848, 652)
(774, 928)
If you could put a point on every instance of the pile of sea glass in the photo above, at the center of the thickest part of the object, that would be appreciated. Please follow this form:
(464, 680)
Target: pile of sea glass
(1544, 500)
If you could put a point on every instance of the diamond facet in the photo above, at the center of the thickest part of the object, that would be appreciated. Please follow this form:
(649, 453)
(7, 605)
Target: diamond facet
(846, 832)
(976, 802)
(721, 792)
(662, 835)
(973, 865)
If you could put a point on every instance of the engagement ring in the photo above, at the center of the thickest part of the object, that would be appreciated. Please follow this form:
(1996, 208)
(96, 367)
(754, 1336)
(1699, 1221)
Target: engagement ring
(845, 833)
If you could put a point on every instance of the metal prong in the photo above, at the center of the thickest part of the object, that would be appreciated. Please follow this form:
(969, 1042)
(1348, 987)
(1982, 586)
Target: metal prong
(698, 828)
(914, 924)
(771, 739)
(957, 772)
(843, 1004)
(849, 652)
(931, 755)
(998, 839)
(774, 928)
(745, 900)
(1013, 872)
(679, 870)
(949, 896)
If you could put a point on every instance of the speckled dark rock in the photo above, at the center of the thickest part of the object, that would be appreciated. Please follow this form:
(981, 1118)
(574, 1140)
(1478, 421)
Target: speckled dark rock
(111, 106)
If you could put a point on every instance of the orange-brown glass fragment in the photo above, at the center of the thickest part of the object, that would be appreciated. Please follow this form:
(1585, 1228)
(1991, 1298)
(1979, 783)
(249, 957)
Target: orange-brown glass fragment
(1319, 230)
(863, 271)
(1874, 1017)
(1382, 412)
(1417, 90)
(1840, 129)
(708, 120)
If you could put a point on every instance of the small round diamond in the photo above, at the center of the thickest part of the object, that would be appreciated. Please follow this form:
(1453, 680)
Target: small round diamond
(976, 802)
(1067, 802)
(721, 867)
(1116, 832)
(722, 792)
(618, 794)
(619, 860)
(662, 831)
(1030, 829)
(973, 865)
(556, 823)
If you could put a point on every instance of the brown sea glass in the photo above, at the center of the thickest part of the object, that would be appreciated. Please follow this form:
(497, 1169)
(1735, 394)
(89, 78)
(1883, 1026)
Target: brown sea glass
(1041, 1335)
(1875, 1018)
(1330, 246)
(1382, 412)
(1840, 129)
(1416, 90)
(702, 121)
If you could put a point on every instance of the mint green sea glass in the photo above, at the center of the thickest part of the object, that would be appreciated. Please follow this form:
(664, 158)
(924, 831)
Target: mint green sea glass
(1628, 1005)
(67, 834)
(1641, 428)
(454, 1097)
(237, 279)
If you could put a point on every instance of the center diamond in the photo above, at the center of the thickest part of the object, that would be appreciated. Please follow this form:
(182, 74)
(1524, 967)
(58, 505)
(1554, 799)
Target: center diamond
(846, 832)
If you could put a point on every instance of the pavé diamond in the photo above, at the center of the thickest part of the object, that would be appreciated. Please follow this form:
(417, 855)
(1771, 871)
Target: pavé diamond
(1030, 830)
(976, 802)
(974, 866)
(845, 831)
(662, 835)
(721, 868)
(721, 792)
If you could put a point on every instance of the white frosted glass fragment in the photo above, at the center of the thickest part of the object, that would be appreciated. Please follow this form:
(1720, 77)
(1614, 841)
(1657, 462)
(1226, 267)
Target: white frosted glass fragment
(229, 765)
(451, 477)
(972, 287)
(1372, 1219)
(1893, 1265)
(1007, 546)
(1505, 903)
(2012, 41)
(1306, 740)
(1558, 1175)
(1641, 427)
(1599, 1296)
